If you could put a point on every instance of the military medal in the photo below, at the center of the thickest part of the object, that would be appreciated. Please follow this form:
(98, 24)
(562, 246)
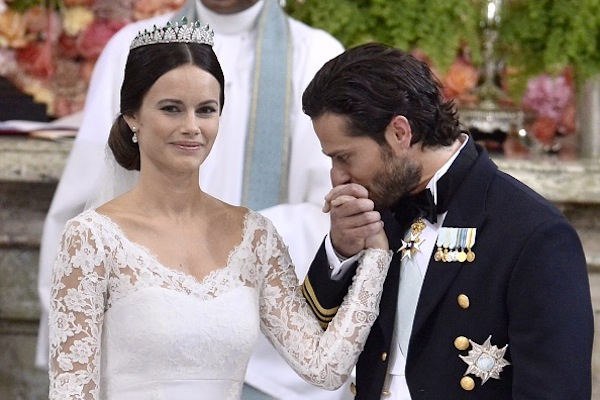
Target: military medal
(439, 253)
(462, 243)
(413, 243)
(455, 244)
(471, 233)
(446, 244)
(452, 245)
(485, 361)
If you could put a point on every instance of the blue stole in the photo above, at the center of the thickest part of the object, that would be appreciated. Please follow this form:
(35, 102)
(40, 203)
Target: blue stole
(266, 162)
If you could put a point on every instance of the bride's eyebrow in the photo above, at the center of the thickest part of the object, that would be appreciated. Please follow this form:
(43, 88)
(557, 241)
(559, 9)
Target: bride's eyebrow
(169, 101)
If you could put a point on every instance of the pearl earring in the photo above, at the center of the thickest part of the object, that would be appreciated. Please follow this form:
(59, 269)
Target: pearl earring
(134, 138)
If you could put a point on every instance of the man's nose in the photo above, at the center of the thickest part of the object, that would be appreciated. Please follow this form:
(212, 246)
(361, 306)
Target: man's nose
(338, 176)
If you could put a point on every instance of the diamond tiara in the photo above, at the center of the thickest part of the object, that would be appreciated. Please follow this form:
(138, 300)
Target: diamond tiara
(184, 33)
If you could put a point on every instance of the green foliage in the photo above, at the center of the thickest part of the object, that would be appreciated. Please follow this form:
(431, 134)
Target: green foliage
(536, 36)
(23, 5)
(545, 36)
(439, 28)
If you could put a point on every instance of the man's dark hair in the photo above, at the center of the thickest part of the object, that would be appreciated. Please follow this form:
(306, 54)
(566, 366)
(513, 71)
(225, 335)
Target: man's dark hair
(372, 83)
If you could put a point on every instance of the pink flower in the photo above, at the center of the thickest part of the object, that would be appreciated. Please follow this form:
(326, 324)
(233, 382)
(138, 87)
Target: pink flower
(553, 100)
(67, 46)
(548, 96)
(36, 60)
(93, 39)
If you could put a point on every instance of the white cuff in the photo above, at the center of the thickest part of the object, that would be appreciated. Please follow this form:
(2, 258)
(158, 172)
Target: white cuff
(338, 264)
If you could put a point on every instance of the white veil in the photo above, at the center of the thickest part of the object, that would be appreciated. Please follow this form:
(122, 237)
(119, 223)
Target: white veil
(114, 181)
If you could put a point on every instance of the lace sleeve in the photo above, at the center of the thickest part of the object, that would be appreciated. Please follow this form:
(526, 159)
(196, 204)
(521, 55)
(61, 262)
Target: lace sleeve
(76, 314)
(323, 358)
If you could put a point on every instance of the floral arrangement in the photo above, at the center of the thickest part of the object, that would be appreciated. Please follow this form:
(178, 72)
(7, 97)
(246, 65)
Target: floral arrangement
(552, 99)
(48, 47)
(547, 47)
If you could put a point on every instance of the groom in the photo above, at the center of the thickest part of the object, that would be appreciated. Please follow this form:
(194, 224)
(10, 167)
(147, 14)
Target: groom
(488, 294)
(268, 59)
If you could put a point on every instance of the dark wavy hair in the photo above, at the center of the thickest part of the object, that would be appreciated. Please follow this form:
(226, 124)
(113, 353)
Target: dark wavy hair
(372, 83)
(144, 66)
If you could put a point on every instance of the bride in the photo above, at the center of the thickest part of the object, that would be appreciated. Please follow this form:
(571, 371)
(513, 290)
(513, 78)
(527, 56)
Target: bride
(161, 292)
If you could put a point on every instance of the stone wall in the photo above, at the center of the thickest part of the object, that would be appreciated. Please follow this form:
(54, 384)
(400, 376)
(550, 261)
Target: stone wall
(22, 210)
(29, 170)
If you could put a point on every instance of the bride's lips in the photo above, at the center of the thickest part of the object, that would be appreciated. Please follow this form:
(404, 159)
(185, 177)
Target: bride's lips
(187, 145)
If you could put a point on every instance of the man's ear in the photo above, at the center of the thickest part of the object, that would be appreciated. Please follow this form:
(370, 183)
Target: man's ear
(398, 133)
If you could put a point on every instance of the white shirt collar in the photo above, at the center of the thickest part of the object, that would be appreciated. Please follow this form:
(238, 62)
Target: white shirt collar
(432, 185)
(228, 24)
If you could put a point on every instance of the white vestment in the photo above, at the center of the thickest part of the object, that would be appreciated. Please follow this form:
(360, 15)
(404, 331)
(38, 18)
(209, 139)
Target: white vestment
(300, 221)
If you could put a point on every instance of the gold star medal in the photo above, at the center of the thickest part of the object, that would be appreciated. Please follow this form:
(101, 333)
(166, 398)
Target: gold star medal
(485, 361)
(412, 244)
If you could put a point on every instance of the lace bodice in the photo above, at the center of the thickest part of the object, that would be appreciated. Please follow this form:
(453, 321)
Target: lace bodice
(124, 326)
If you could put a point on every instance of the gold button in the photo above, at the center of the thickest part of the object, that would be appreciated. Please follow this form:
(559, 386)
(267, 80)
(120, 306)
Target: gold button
(383, 356)
(463, 301)
(467, 383)
(353, 389)
(461, 343)
(386, 393)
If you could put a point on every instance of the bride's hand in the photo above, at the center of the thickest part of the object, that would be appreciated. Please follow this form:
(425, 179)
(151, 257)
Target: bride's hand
(378, 241)
(355, 225)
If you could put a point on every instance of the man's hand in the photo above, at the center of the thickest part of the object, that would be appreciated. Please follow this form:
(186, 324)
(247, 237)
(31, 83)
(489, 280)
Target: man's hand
(355, 225)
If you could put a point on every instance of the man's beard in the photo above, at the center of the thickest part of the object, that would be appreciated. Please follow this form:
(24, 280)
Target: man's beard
(397, 177)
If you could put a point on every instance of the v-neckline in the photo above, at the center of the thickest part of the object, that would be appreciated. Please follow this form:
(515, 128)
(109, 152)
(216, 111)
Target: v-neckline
(175, 271)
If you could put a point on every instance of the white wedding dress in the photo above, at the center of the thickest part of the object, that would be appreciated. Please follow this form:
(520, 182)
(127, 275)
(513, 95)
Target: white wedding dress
(125, 327)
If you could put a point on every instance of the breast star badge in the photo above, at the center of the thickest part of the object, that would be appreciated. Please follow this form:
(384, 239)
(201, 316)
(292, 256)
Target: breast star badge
(412, 244)
(485, 361)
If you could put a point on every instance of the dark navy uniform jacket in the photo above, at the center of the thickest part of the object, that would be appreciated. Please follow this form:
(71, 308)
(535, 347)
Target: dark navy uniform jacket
(527, 288)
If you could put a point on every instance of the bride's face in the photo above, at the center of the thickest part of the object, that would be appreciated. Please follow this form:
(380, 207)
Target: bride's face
(178, 121)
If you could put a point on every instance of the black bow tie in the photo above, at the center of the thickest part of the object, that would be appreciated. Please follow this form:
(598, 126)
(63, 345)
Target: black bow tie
(414, 206)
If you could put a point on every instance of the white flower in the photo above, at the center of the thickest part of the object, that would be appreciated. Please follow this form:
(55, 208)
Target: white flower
(76, 19)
